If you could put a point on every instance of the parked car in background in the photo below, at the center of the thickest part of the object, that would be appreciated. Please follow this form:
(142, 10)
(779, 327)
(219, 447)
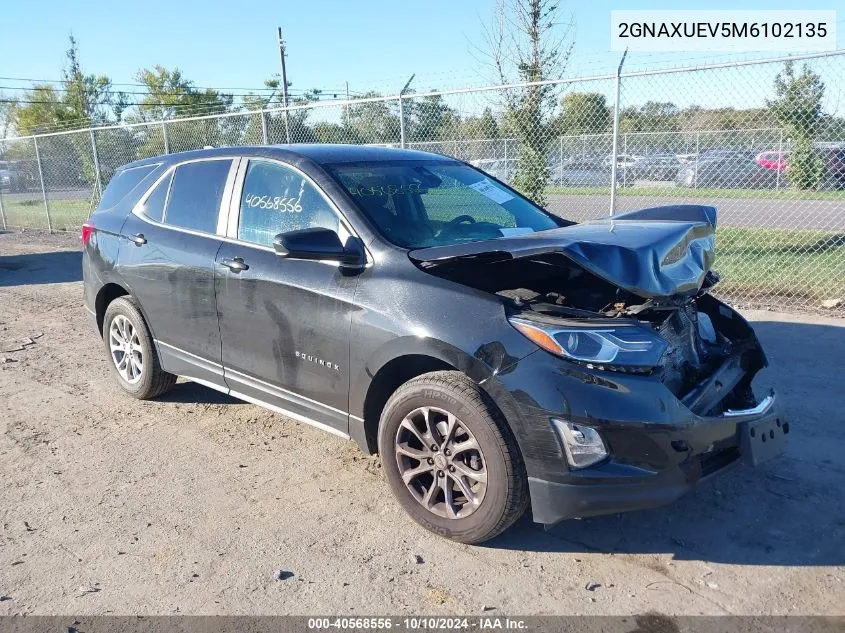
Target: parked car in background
(654, 167)
(503, 169)
(583, 173)
(622, 160)
(11, 178)
(836, 165)
(772, 160)
(729, 169)
(491, 353)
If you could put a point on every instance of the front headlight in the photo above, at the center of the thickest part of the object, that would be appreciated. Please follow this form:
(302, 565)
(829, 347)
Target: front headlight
(622, 345)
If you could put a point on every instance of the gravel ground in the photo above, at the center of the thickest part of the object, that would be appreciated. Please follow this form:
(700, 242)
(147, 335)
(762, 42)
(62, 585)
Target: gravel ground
(201, 504)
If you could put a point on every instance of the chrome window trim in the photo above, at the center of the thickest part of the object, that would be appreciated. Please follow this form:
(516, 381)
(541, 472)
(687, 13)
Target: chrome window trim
(125, 169)
(226, 199)
(235, 202)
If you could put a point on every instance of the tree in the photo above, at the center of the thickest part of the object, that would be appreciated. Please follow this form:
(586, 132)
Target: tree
(480, 127)
(652, 116)
(8, 110)
(525, 44)
(583, 113)
(798, 108)
(87, 98)
(430, 118)
(373, 121)
(82, 100)
(170, 95)
(41, 108)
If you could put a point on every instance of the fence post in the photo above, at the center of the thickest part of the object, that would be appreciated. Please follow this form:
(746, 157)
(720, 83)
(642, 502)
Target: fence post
(780, 155)
(2, 212)
(625, 154)
(287, 125)
(615, 135)
(166, 140)
(96, 164)
(401, 123)
(697, 150)
(561, 158)
(43, 187)
(264, 127)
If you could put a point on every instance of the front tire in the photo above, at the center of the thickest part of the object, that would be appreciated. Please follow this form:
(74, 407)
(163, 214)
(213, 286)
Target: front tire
(450, 458)
(131, 352)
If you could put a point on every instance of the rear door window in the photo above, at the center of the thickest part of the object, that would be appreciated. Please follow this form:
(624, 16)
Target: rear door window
(196, 193)
(124, 181)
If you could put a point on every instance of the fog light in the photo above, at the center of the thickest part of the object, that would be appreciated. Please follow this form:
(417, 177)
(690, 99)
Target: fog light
(582, 444)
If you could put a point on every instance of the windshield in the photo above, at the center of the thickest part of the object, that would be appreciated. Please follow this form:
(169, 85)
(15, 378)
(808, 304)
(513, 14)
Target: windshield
(416, 204)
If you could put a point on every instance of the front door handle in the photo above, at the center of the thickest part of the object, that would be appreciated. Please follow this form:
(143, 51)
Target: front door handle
(138, 239)
(236, 265)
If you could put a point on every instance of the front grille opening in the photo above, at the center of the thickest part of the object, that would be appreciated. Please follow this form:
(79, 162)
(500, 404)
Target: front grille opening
(717, 460)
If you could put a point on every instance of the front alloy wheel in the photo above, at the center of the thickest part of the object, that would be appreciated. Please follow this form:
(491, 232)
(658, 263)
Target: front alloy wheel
(441, 462)
(451, 459)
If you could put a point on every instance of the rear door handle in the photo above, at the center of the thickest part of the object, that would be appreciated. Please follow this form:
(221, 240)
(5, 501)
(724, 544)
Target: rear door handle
(236, 265)
(138, 239)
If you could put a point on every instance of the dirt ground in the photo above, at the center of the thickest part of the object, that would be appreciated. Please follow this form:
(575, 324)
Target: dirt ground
(202, 504)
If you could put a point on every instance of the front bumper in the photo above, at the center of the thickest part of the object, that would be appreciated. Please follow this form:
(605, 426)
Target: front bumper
(659, 445)
(708, 448)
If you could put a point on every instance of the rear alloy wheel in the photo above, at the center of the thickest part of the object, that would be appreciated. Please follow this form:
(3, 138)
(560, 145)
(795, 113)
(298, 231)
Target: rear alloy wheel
(451, 459)
(126, 350)
(131, 351)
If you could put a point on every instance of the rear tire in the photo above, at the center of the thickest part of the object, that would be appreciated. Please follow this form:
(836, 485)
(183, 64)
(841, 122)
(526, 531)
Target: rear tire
(131, 352)
(428, 434)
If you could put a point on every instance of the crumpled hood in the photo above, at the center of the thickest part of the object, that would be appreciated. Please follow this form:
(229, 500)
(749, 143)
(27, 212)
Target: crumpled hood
(657, 252)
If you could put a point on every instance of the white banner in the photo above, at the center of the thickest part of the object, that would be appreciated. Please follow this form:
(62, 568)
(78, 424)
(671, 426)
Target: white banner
(723, 30)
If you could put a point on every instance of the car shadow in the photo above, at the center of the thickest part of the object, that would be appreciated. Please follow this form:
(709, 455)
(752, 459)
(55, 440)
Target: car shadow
(53, 267)
(195, 393)
(789, 511)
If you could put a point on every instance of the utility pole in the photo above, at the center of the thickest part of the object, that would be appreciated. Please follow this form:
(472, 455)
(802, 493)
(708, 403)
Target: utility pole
(284, 83)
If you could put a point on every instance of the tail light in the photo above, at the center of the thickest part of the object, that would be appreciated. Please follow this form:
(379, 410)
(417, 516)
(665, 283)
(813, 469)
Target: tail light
(87, 230)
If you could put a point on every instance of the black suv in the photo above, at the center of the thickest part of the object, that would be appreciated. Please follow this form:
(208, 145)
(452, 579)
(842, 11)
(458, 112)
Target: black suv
(491, 353)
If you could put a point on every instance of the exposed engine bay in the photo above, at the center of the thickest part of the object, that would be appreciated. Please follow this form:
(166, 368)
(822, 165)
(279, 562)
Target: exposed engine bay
(701, 332)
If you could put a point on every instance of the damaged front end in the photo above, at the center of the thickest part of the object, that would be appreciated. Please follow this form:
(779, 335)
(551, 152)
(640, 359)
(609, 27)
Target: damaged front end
(663, 393)
(643, 276)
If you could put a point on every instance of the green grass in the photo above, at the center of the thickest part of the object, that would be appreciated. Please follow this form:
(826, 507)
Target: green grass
(64, 214)
(709, 192)
(801, 266)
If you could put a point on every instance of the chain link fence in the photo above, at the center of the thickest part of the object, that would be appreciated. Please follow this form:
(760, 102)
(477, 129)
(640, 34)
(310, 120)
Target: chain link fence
(763, 141)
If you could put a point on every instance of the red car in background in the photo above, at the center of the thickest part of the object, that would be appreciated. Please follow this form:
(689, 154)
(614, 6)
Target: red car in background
(772, 160)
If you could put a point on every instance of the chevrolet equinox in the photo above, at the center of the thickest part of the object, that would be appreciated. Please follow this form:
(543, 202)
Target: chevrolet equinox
(492, 354)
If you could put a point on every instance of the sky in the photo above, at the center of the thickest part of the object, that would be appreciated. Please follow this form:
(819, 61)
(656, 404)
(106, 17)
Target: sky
(372, 44)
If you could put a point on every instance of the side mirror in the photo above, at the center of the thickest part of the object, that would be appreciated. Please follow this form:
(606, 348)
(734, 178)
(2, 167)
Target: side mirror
(319, 244)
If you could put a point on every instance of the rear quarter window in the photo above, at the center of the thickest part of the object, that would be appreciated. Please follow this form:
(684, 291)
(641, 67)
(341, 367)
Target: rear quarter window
(124, 181)
(196, 193)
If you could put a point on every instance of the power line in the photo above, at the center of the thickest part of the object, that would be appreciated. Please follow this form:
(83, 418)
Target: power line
(249, 91)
